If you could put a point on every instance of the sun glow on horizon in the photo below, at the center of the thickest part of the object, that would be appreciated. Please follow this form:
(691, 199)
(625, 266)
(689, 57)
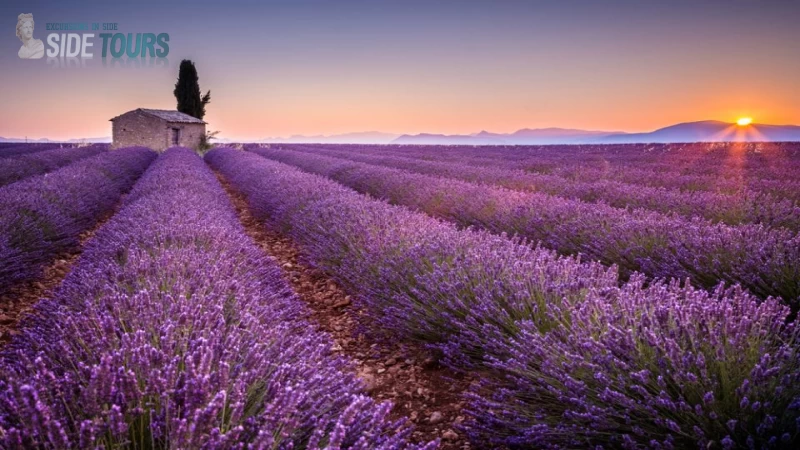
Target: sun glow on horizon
(744, 121)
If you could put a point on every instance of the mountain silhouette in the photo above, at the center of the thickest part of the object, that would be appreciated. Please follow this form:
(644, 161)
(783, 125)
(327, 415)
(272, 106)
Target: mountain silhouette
(703, 131)
(525, 136)
(710, 131)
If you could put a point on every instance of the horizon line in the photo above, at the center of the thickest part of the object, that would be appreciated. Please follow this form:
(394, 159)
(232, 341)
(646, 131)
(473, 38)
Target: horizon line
(396, 135)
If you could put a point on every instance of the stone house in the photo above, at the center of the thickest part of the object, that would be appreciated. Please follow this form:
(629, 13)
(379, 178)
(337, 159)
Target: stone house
(157, 129)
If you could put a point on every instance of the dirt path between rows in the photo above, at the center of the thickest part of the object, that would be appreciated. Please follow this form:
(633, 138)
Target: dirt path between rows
(20, 299)
(428, 394)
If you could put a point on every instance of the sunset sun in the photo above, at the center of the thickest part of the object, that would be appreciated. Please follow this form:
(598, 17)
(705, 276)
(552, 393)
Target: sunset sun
(744, 121)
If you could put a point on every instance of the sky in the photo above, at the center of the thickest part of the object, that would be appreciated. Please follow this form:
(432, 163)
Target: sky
(454, 67)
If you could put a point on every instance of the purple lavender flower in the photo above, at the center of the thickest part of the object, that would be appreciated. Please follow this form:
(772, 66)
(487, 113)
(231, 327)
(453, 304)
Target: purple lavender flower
(27, 164)
(45, 214)
(568, 357)
(174, 330)
(763, 260)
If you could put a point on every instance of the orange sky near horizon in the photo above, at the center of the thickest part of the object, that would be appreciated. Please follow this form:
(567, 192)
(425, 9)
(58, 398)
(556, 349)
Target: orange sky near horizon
(260, 111)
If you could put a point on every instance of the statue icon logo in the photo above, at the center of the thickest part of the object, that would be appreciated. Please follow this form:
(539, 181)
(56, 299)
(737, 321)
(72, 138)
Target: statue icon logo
(31, 48)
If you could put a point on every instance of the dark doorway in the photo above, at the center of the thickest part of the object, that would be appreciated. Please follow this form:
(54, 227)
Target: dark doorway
(176, 136)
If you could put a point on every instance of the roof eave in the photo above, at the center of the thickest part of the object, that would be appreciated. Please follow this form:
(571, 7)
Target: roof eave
(143, 111)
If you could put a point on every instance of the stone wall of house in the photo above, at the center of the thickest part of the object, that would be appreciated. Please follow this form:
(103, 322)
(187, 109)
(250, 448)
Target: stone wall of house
(191, 134)
(139, 129)
(136, 128)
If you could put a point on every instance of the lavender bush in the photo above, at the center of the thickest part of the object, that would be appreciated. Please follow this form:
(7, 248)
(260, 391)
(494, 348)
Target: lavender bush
(420, 278)
(724, 160)
(175, 331)
(22, 166)
(765, 261)
(744, 207)
(567, 358)
(726, 168)
(46, 214)
(15, 149)
(657, 367)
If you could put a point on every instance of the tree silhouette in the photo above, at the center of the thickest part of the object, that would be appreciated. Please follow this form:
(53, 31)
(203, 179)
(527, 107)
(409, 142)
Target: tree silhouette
(187, 91)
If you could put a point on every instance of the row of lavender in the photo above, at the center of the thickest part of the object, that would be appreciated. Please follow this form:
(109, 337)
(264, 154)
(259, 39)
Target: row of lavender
(788, 188)
(16, 149)
(175, 331)
(729, 173)
(45, 215)
(765, 261)
(744, 207)
(779, 160)
(17, 168)
(568, 359)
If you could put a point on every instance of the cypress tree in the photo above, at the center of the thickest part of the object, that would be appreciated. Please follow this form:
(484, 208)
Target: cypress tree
(187, 91)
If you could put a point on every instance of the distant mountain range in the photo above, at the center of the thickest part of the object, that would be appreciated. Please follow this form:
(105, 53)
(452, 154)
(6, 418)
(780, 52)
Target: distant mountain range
(528, 136)
(711, 131)
(704, 131)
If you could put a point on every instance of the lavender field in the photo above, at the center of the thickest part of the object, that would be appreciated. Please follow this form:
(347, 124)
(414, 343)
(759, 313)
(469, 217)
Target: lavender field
(457, 297)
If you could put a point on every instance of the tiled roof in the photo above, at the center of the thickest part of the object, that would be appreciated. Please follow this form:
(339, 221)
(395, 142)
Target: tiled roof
(169, 116)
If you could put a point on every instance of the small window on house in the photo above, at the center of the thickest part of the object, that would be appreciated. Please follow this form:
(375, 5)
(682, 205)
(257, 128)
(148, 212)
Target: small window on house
(176, 136)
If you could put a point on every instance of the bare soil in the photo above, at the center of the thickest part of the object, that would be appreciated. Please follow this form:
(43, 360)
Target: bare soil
(428, 394)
